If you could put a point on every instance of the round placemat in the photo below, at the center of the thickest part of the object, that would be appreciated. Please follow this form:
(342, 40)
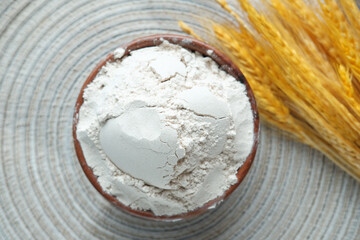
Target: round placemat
(47, 49)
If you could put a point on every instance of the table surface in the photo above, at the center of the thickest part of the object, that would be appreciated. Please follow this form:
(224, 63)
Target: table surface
(47, 49)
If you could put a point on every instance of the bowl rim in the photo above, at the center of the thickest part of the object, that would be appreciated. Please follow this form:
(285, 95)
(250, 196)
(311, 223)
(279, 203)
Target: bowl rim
(191, 44)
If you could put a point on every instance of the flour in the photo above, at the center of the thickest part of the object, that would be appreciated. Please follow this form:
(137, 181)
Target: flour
(165, 129)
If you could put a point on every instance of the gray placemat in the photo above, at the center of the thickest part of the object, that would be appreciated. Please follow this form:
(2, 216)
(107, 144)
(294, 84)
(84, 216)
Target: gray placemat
(47, 49)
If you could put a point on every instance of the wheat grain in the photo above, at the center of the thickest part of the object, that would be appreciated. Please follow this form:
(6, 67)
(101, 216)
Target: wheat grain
(188, 30)
(303, 63)
(353, 14)
(342, 35)
(346, 77)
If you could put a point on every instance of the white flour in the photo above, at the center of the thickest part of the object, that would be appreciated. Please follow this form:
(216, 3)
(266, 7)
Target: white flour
(165, 129)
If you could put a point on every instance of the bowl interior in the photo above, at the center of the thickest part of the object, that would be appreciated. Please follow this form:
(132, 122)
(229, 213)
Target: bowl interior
(193, 45)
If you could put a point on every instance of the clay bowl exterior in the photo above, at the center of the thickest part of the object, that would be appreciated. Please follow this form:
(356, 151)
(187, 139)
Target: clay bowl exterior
(192, 45)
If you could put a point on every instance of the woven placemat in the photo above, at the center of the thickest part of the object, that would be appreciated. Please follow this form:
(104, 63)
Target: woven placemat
(47, 49)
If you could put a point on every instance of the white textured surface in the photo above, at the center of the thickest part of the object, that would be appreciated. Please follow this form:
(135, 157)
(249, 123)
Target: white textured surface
(47, 49)
(160, 140)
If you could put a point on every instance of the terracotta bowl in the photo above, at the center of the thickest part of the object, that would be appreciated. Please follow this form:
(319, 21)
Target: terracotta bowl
(192, 45)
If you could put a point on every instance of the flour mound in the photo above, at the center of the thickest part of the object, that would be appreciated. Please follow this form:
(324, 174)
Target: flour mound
(165, 129)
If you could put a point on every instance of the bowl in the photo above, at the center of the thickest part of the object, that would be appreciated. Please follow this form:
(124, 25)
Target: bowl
(193, 45)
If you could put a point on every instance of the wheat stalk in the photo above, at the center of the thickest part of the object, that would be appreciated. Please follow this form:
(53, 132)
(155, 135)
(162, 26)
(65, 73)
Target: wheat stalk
(342, 35)
(303, 63)
(353, 14)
